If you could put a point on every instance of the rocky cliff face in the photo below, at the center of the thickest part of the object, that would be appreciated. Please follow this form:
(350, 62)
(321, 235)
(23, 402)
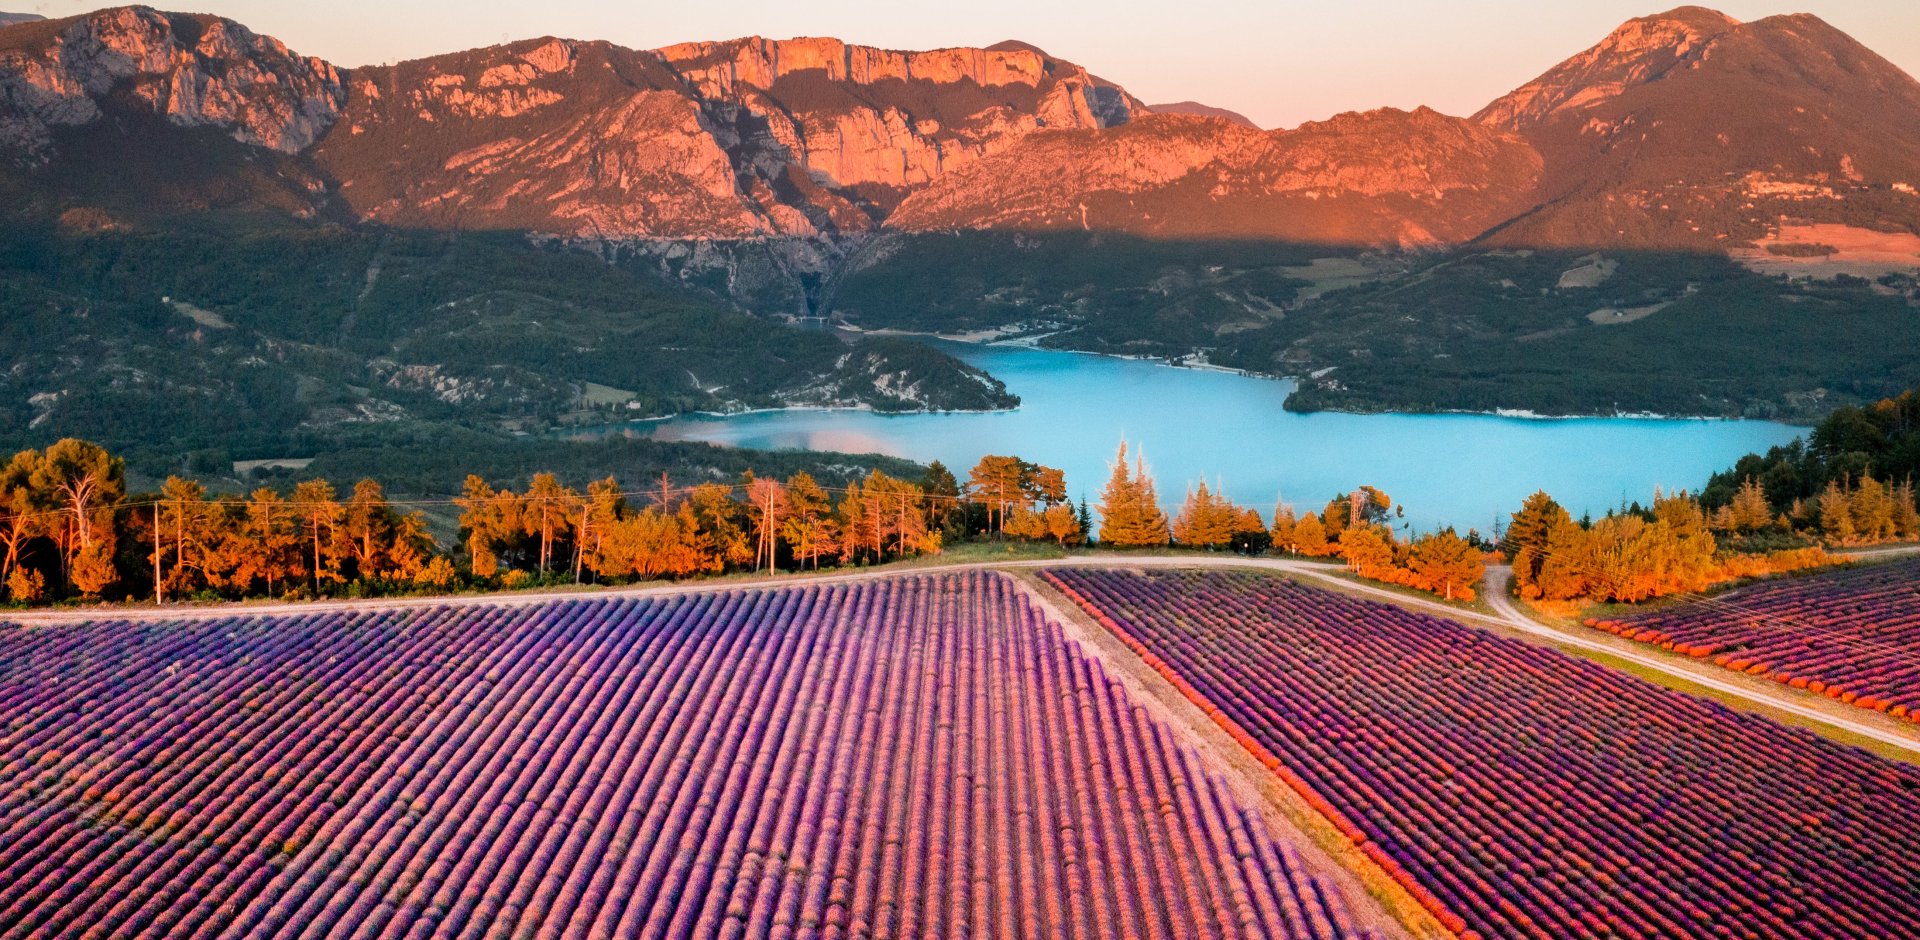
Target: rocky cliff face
(1410, 179)
(194, 71)
(747, 138)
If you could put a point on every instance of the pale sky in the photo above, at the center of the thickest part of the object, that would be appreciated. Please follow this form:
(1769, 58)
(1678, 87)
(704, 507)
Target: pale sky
(1279, 62)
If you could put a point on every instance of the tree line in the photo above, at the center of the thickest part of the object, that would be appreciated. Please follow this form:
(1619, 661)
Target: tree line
(70, 529)
(1354, 527)
(1849, 483)
(1678, 546)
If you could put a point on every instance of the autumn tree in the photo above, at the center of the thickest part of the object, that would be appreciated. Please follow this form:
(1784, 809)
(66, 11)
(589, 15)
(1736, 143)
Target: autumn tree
(996, 483)
(767, 510)
(1063, 524)
(1750, 510)
(1310, 538)
(720, 525)
(320, 516)
(1565, 563)
(491, 520)
(898, 518)
(186, 534)
(1282, 531)
(266, 547)
(1835, 511)
(1906, 512)
(23, 511)
(809, 527)
(1006, 486)
(600, 512)
(1206, 520)
(1130, 514)
(1446, 564)
(548, 511)
(1368, 551)
(943, 495)
(1526, 540)
(1871, 506)
(1250, 533)
(87, 484)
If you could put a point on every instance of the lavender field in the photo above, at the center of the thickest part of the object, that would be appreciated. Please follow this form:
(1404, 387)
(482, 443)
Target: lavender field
(1535, 794)
(917, 757)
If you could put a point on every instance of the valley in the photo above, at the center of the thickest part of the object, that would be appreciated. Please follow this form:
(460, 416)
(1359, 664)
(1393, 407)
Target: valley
(553, 231)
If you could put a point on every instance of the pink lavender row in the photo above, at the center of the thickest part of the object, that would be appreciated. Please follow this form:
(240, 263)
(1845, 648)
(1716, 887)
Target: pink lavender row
(1535, 794)
(1851, 635)
(920, 757)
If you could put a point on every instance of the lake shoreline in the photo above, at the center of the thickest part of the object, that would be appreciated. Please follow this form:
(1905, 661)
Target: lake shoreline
(996, 338)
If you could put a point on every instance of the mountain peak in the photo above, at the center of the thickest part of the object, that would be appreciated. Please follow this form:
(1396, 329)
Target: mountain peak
(1640, 51)
(191, 70)
(1697, 16)
(1196, 109)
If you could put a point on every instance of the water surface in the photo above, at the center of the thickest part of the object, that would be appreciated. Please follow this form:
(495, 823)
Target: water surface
(1462, 470)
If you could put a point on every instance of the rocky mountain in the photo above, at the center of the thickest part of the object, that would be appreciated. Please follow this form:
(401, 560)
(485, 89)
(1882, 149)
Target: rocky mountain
(1691, 129)
(8, 19)
(191, 70)
(1685, 128)
(1196, 109)
(741, 139)
(1406, 179)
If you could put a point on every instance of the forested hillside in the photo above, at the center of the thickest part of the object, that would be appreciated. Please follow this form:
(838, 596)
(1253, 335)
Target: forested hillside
(266, 343)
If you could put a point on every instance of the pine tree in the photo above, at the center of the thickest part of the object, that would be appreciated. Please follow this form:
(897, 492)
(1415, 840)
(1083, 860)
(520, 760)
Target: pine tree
(1206, 520)
(1906, 514)
(1130, 515)
(1282, 531)
(319, 514)
(1871, 506)
(1750, 509)
(1835, 510)
(809, 527)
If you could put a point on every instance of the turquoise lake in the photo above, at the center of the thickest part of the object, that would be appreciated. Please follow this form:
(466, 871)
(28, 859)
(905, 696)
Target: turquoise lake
(1461, 470)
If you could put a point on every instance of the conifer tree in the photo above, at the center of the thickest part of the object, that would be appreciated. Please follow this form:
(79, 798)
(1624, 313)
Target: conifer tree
(1835, 510)
(1906, 514)
(1750, 509)
(1205, 520)
(1871, 506)
(1063, 524)
(1130, 515)
(809, 527)
(1283, 529)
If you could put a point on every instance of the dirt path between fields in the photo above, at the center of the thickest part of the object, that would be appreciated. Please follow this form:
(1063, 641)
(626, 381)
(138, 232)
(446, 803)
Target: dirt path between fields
(1376, 901)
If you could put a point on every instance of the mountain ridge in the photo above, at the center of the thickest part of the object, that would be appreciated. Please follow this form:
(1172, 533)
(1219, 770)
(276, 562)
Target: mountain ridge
(815, 138)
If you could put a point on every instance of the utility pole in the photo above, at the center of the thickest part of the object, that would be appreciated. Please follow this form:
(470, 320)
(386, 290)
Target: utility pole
(159, 588)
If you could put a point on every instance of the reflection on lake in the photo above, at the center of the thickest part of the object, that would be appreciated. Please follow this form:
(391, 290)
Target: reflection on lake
(1462, 470)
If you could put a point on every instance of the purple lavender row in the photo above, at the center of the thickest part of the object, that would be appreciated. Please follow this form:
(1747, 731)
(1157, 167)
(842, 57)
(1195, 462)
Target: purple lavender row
(921, 757)
(1533, 793)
